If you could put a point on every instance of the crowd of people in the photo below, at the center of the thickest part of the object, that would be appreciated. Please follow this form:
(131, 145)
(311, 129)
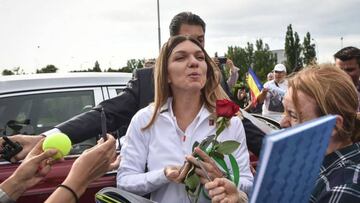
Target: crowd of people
(168, 107)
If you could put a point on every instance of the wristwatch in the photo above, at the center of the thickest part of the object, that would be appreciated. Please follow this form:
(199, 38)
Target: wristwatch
(4, 198)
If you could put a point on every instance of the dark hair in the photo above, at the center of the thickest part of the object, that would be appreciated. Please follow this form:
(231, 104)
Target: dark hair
(348, 53)
(185, 18)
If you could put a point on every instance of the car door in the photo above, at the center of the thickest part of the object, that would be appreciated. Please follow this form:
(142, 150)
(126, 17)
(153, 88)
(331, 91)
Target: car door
(33, 112)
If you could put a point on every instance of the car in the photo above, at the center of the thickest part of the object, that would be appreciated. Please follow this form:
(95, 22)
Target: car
(32, 104)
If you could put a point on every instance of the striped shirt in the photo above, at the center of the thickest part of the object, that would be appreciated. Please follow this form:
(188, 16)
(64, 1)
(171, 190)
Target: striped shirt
(339, 179)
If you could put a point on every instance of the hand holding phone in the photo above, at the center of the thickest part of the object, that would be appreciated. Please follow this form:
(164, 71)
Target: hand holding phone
(10, 149)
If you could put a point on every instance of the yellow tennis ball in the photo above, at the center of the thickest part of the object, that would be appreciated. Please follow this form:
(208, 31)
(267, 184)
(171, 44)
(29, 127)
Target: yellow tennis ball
(58, 141)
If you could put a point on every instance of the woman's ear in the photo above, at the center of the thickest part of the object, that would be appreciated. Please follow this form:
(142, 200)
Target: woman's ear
(338, 125)
(339, 122)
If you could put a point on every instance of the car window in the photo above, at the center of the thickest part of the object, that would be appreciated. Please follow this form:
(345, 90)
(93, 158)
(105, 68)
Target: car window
(118, 91)
(36, 113)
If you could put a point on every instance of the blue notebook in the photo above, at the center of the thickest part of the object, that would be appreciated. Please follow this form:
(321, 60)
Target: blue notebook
(290, 162)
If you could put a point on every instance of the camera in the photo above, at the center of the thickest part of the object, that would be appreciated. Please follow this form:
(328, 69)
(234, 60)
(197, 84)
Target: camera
(222, 59)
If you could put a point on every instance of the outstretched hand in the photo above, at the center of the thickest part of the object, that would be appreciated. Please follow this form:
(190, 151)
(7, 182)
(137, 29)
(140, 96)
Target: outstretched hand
(31, 171)
(92, 164)
(27, 142)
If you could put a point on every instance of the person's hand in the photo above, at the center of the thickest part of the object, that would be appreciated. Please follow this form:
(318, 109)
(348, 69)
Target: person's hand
(27, 142)
(222, 190)
(230, 65)
(92, 164)
(209, 166)
(261, 97)
(216, 60)
(172, 173)
(31, 171)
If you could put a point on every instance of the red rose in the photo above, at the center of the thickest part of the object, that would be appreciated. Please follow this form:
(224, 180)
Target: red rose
(226, 108)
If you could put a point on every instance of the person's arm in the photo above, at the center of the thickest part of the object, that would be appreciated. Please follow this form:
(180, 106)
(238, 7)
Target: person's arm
(233, 73)
(30, 172)
(88, 167)
(119, 111)
(262, 96)
(131, 175)
(222, 190)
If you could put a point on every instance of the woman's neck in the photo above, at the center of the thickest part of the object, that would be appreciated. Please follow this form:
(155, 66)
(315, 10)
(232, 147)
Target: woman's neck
(336, 144)
(185, 108)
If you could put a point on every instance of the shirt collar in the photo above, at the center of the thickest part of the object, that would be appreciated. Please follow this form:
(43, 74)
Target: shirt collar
(340, 156)
(167, 107)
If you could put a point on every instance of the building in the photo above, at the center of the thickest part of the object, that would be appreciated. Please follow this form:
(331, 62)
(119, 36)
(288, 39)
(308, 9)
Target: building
(280, 55)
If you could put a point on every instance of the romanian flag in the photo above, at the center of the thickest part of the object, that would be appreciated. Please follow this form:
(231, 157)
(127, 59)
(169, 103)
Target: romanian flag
(254, 84)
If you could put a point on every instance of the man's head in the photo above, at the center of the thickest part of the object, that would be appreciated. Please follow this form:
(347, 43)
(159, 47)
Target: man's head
(348, 59)
(279, 73)
(187, 23)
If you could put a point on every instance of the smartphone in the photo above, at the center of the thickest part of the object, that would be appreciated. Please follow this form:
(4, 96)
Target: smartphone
(103, 124)
(222, 59)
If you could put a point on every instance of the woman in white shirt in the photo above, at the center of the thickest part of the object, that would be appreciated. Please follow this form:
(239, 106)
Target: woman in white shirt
(162, 134)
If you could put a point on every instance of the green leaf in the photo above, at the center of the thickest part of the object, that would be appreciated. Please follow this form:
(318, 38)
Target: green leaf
(227, 147)
(235, 169)
(216, 154)
(191, 182)
(195, 145)
(206, 142)
(220, 163)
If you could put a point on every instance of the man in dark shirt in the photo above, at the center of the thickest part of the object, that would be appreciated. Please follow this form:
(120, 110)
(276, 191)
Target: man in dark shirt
(348, 59)
(138, 94)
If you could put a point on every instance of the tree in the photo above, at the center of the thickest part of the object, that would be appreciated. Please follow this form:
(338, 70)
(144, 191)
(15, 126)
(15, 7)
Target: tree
(113, 70)
(133, 64)
(96, 67)
(262, 60)
(18, 71)
(7, 72)
(292, 50)
(309, 50)
(240, 58)
(48, 69)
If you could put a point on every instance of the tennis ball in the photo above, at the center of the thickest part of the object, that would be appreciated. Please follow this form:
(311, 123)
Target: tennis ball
(59, 141)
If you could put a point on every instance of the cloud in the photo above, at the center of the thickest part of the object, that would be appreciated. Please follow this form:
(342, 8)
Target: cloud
(71, 33)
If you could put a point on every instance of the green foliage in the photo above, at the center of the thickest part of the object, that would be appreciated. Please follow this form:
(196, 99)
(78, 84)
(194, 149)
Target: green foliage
(293, 50)
(113, 70)
(227, 147)
(7, 72)
(264, 60)
(133, 64)
(261, 59)
(96, 67)
(48, 69)
(309, 50)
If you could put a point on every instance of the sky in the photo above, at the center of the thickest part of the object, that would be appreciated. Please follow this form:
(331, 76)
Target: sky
(73, 34)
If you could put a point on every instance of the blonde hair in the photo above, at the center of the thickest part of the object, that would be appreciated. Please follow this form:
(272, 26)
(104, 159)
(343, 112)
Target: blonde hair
(209, 94)
(334, 93)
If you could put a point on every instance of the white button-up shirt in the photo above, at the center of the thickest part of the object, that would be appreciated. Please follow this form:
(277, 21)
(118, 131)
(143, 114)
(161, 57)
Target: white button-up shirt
(165, 144)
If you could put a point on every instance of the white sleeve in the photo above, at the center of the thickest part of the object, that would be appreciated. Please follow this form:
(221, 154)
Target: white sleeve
(52, 131)
(242, 157)
(131, 174)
